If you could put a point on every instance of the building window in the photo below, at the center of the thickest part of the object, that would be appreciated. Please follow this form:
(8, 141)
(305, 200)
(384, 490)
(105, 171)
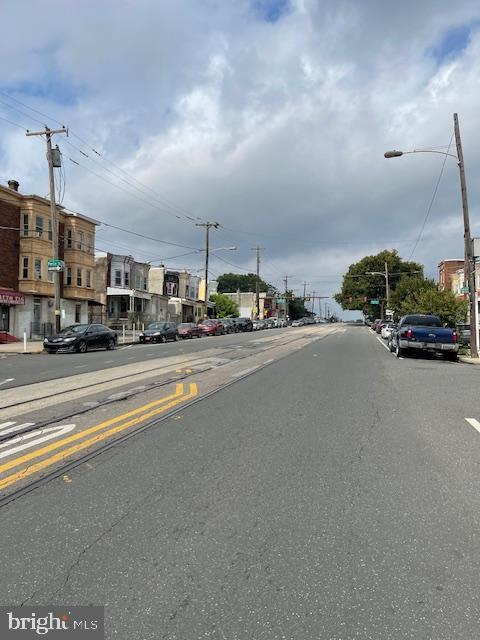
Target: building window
(69, 239)
(79, 277)
(89, 279)
(144, 283)
(69, 276)
(50, 276)
(39, 226)
(25, 267)
(127, 278)
(118, 278)
(38, 268)
(78, 313)
(50, 232)
(25, 224)
(80, 241)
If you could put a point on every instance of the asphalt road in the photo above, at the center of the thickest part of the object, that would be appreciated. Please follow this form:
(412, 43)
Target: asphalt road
(333, 495)
(17, 370)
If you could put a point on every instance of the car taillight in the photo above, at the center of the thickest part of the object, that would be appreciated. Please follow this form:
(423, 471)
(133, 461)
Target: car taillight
(454, 336)
(409, 334)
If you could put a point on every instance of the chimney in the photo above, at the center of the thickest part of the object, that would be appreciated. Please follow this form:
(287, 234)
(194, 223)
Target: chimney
(13, 184)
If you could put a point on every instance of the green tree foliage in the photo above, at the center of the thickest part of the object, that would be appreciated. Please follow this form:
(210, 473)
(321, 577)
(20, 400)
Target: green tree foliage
(358, 286)
(232, 282)
(419, 295)
(296, 307)
(226, 307)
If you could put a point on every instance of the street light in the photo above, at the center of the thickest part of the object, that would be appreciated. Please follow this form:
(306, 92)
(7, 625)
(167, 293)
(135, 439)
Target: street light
(469, 267)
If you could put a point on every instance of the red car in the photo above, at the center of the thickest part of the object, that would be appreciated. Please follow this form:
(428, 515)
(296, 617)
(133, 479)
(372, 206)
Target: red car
(189, 330)
(213, 328)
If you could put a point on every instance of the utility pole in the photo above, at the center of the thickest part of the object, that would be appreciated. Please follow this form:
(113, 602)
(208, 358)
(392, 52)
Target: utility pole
(207, 226)
(285, 280)
(48, 133)
(305, 284)
(469, 266)
(257, 284)
(313, 302)
(387, 286)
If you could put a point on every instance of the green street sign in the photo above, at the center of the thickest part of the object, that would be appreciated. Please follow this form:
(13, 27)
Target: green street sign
(55, 265)
(374, 301)
(281, 300)
(464, 290)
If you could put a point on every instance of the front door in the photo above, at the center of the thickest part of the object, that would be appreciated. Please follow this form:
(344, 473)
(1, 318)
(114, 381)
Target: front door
(4, 318)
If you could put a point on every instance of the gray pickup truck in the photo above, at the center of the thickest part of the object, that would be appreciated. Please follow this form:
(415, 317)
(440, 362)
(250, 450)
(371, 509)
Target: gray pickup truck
(417, 333)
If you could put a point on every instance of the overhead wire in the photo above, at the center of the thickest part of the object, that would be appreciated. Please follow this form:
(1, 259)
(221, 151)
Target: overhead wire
(432, 200)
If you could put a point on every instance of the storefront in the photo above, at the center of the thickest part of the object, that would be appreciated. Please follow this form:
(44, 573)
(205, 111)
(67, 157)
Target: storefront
(9, 301)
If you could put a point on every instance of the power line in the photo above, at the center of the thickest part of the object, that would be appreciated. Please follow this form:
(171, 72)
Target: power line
(432, 200)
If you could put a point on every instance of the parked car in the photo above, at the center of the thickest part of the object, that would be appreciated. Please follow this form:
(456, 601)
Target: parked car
(298, 323)
(387, 330)
(212, 327)
(282, 322)
(270, 323)
(424, 333)
(463, 332)
(81, 338)
(257, 325)
(230, 325)
(244, 324)
(189, 330)
(159, 332)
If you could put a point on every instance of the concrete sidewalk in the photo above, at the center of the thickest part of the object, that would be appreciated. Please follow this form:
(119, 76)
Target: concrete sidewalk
(469, 360)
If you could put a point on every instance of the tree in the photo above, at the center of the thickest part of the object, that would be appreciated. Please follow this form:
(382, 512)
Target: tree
(358, 288)
(419, 295)
(232, 282)
(296, 307)
(226, 307)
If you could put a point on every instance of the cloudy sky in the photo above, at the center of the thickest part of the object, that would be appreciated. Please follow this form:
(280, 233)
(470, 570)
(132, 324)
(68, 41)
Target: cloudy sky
(268, 116)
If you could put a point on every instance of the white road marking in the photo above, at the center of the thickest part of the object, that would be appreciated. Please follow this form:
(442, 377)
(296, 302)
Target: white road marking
(268, 361)
(382, 343)
(107, 361)
(131, 358)
(474, 423)
(80, 366)
(7, 380)
(244, 371)
(51, 432)
(129, 347)
(4, 427)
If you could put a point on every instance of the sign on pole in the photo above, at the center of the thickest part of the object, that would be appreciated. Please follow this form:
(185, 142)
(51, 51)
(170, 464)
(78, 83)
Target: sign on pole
(374, 301)
(56, 265)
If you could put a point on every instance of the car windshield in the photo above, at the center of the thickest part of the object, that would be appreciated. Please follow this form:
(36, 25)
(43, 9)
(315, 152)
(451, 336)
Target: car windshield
(74, 328)
(423, 321)
(156, 326)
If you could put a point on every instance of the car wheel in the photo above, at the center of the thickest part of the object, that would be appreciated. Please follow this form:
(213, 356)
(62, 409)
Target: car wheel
(82, 346)
(452, 357)
(110, 344)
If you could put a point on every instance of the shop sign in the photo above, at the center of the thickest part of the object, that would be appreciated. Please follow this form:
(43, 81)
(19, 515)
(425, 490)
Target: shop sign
(11, 297)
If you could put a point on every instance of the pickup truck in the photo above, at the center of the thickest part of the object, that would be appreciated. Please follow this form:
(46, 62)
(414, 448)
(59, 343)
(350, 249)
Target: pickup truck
(416, 333)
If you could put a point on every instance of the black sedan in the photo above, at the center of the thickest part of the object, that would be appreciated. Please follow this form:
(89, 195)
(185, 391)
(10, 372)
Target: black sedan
(81, 337)
(159, 332)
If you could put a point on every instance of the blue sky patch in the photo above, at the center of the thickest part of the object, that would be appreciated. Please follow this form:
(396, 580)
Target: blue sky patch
(453, 42)
(271, 10)
(54, 91)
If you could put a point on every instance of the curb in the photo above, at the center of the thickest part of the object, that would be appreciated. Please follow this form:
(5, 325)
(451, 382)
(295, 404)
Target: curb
(42, 352)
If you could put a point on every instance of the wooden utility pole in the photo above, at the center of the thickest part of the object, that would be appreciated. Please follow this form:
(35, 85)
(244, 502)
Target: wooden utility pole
(207, 226)
(469, 266)
(285, 280)
(48, 133)
(257, 284)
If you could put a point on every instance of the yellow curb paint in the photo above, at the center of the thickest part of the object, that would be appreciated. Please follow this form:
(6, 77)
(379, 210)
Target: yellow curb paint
(28, 471)
(81, 434)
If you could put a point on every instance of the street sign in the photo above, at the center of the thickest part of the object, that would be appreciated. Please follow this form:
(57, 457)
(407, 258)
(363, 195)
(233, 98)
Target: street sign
(374, 301)
(56, 265)
(464, 290)
(281, 300)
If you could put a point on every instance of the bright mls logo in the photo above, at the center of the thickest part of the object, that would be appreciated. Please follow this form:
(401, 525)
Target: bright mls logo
(23, 623)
